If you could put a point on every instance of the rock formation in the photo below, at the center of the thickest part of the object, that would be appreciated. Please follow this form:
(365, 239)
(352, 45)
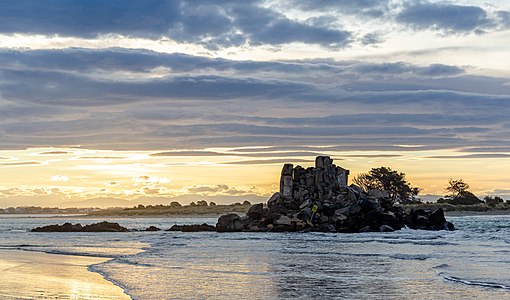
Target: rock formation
(192, 228)
(96, 227)
(319, 199)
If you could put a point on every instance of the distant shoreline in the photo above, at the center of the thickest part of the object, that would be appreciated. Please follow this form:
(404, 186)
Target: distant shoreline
(189, 211)
(462, 213)
(463, 210)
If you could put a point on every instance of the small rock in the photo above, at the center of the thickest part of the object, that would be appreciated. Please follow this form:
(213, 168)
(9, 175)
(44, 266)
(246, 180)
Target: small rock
(385, 228)
(306, 203)
(366, 229)
(283, 220)
(152, 228)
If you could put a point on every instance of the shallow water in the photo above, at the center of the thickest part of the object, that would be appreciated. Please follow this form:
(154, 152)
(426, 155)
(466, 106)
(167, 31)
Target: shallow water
(470, 263)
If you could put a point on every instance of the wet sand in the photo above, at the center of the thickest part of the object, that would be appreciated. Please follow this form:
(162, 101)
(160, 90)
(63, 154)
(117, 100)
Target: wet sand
(35, 275)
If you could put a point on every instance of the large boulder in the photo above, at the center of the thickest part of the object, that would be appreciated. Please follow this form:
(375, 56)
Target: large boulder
(104, 227)
(256, 211)
(66, 227)
(428, 220)
(229, 223)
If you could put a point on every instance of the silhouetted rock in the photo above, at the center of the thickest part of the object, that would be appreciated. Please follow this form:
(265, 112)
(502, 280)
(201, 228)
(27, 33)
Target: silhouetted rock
(192, 228)
(256, 211)
(428, 220)
(96, 227)
(318, 199)
(104, 227)
(230, 222)
(152, 228)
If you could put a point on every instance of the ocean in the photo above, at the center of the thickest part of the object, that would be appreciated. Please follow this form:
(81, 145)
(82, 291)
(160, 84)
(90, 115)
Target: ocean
(472, 262)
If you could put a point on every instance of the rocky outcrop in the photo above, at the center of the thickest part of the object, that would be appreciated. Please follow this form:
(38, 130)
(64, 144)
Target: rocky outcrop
(428, 220)
(96, 227)
(319, 199)
(229, 223)
(152, 228)
(192, 228)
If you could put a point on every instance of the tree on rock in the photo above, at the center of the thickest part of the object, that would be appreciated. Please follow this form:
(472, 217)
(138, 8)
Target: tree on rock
(393, 182)
(457, 188)
(365, 182)
(459, 194)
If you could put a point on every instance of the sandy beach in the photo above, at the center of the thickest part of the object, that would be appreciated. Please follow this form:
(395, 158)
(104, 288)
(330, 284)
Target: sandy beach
(35, 275)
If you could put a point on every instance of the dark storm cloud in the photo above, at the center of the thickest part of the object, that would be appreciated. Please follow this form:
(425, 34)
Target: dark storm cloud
(215, 24)
(372, 39)
(388, 119)
(62, 89)
(446, 17)
(219, 24)
(144, 61)
(372, 8)
(77, 97)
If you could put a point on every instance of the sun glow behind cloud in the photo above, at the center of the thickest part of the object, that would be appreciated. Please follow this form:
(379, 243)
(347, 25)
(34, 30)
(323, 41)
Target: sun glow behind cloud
(143, 175)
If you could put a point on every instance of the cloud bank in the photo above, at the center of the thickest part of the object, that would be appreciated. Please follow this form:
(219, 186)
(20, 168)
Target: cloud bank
(137, 100)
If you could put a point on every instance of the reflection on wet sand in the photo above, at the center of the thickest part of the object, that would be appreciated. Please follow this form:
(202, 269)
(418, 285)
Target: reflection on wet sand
(34, 275)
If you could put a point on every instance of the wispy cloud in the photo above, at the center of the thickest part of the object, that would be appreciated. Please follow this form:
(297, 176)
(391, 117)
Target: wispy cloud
(20, 163)
(479, 155)
(267, 161)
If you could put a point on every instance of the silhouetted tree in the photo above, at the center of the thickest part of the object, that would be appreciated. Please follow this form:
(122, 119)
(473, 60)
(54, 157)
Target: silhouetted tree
(175, 204)
(493, 201)
(456, 187)
(365, 182)
(201, 203)
(393, 182)
(459, 194)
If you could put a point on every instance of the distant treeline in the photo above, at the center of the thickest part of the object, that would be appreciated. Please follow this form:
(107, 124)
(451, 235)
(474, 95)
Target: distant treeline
(175, 208)
(45, 210)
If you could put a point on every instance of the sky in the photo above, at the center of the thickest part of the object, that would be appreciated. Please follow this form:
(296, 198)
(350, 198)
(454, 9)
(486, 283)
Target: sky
(159, 101)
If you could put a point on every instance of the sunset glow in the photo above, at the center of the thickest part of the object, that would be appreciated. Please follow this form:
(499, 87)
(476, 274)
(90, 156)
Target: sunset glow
(211, 108)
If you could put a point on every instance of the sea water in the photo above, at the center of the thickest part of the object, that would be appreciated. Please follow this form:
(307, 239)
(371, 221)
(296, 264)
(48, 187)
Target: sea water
(472, 262)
